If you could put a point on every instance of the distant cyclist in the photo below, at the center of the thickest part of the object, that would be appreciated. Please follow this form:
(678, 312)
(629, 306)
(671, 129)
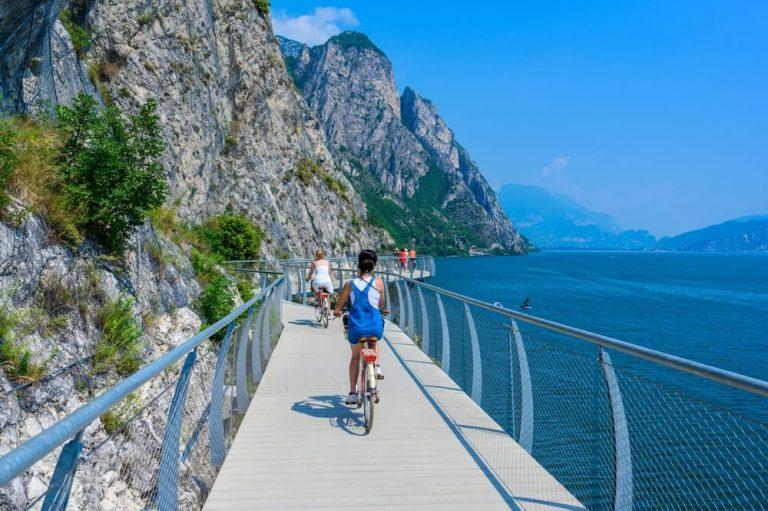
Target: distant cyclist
(365, 316)
(320, 275)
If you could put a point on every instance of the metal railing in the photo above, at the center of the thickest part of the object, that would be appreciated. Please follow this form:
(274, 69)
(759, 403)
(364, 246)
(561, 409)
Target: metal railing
(157, 438)
(618, 439)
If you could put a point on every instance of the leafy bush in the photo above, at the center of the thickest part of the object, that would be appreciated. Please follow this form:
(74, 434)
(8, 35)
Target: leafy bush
(80, 37)
(262, 6)
(245, 288)
(119, 345)
(111, 168)
(232, 236)
(206, 265)
(216, 300)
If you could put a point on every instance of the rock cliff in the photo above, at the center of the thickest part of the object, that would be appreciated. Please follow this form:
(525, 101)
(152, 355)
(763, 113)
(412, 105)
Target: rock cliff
(417, 180)
(238, 137)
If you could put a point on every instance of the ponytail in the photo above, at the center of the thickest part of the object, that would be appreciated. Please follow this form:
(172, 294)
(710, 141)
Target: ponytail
(366, 261)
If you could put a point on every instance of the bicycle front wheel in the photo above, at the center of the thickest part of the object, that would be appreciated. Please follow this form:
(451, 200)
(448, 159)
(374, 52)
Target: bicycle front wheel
(369, 400)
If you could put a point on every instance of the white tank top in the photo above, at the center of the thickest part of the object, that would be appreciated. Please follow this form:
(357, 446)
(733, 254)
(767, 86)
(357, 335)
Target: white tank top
(373, 293)
(322, 272)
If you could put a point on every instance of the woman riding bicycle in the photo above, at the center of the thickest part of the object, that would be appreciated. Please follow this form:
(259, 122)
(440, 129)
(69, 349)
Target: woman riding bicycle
(320, 275)
(367, 296)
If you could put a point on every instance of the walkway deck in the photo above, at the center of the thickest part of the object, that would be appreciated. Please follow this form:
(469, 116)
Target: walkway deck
(300, 447)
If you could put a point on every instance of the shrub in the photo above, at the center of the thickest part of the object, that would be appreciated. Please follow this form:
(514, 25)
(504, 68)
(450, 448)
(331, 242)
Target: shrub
(232, 236)
(54, 296)
(111, 168)
(7, 161)
(119, 415)
(262, 6)
(118, 347)
(336, 186)
(216, 300)
(306, 169)
(245, 288)
(28, 152)
(80, 37)
(206, 265)
(16, 359)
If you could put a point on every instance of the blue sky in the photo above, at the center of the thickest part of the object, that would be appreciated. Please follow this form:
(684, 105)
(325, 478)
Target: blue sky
(653, 111)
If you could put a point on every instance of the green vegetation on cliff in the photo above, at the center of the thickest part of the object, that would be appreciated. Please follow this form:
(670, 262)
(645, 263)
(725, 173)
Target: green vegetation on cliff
(91, 172)
(418, 220)
(352, 39)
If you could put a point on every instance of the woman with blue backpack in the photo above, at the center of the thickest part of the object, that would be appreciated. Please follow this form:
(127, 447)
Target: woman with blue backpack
(366, 294)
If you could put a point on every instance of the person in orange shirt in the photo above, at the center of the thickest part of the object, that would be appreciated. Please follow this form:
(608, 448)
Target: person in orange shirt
(403, 258)
(412, 258)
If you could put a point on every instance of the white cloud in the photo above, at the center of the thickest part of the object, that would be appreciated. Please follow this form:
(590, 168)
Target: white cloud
(315, 28)
(555, 166)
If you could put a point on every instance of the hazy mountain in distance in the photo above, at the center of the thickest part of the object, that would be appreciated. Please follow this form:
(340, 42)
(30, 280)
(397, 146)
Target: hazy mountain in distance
(745, 234)
(556, 221)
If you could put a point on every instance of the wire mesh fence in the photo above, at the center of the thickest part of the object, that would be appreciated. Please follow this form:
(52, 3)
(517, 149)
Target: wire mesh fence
(157, 446)
(616, 437)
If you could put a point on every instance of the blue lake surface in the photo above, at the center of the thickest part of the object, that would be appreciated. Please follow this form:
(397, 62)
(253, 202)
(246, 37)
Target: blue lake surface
(712, 308)
(689, 436)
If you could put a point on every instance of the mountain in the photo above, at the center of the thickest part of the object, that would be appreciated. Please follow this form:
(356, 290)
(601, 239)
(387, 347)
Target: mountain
(746, 234)
(556, 221)
(417, 181)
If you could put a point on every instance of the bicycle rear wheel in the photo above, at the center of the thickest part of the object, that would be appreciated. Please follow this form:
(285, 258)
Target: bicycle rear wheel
(318, 310)
(326, 313)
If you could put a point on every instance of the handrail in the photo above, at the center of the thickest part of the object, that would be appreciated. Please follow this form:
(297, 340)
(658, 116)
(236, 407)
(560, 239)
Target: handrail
(729, 378)
(39, 446)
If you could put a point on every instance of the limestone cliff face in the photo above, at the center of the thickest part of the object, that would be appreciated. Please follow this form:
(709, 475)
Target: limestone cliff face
(236, 130)
(235, 126)
(349, 84)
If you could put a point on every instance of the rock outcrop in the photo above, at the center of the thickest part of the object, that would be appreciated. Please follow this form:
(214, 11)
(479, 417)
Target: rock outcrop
(403, 144)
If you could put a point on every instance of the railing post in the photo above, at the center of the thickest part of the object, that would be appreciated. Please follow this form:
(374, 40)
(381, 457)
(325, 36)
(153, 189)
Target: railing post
(60, 487)
(216, 417)
(168, 473)
(400, 308)
(445, 361)
(622, 453)
(424, 322)
(263, 281)
(477, 364)
(525, 438)
(265, 321)
(410, 310)
(302, 285)
(256, 344)
(387, 301)
(242, 364)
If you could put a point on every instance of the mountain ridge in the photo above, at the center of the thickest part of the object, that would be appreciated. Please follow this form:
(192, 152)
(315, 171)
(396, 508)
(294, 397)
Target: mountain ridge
(556, 221)
(392, 146)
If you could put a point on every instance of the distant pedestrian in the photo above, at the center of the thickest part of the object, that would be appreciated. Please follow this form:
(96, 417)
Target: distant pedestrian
(412, 258)
(403, 259)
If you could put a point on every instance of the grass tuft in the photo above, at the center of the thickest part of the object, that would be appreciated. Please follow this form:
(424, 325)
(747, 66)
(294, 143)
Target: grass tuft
(119, 346)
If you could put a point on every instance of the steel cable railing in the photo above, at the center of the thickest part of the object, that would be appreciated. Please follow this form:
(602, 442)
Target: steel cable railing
(154, 440)
(615, 437)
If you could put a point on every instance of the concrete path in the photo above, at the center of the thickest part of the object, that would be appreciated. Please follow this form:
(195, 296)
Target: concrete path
(300, 447)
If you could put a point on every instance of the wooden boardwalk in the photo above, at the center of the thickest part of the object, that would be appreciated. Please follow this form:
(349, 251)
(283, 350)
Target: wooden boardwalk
(300, 447)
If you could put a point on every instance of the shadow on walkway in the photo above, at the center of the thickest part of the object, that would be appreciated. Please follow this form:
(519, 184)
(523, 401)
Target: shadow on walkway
(332, 408)
(306, 322)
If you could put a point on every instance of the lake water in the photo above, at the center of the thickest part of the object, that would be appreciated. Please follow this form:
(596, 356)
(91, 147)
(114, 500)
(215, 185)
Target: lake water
(686, 433)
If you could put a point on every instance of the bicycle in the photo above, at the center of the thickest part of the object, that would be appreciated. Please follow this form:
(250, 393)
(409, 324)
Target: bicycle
(367, 389)
(323, 306)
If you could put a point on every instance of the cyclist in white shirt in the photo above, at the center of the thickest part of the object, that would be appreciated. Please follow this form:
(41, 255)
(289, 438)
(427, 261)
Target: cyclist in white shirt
(320, 275)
